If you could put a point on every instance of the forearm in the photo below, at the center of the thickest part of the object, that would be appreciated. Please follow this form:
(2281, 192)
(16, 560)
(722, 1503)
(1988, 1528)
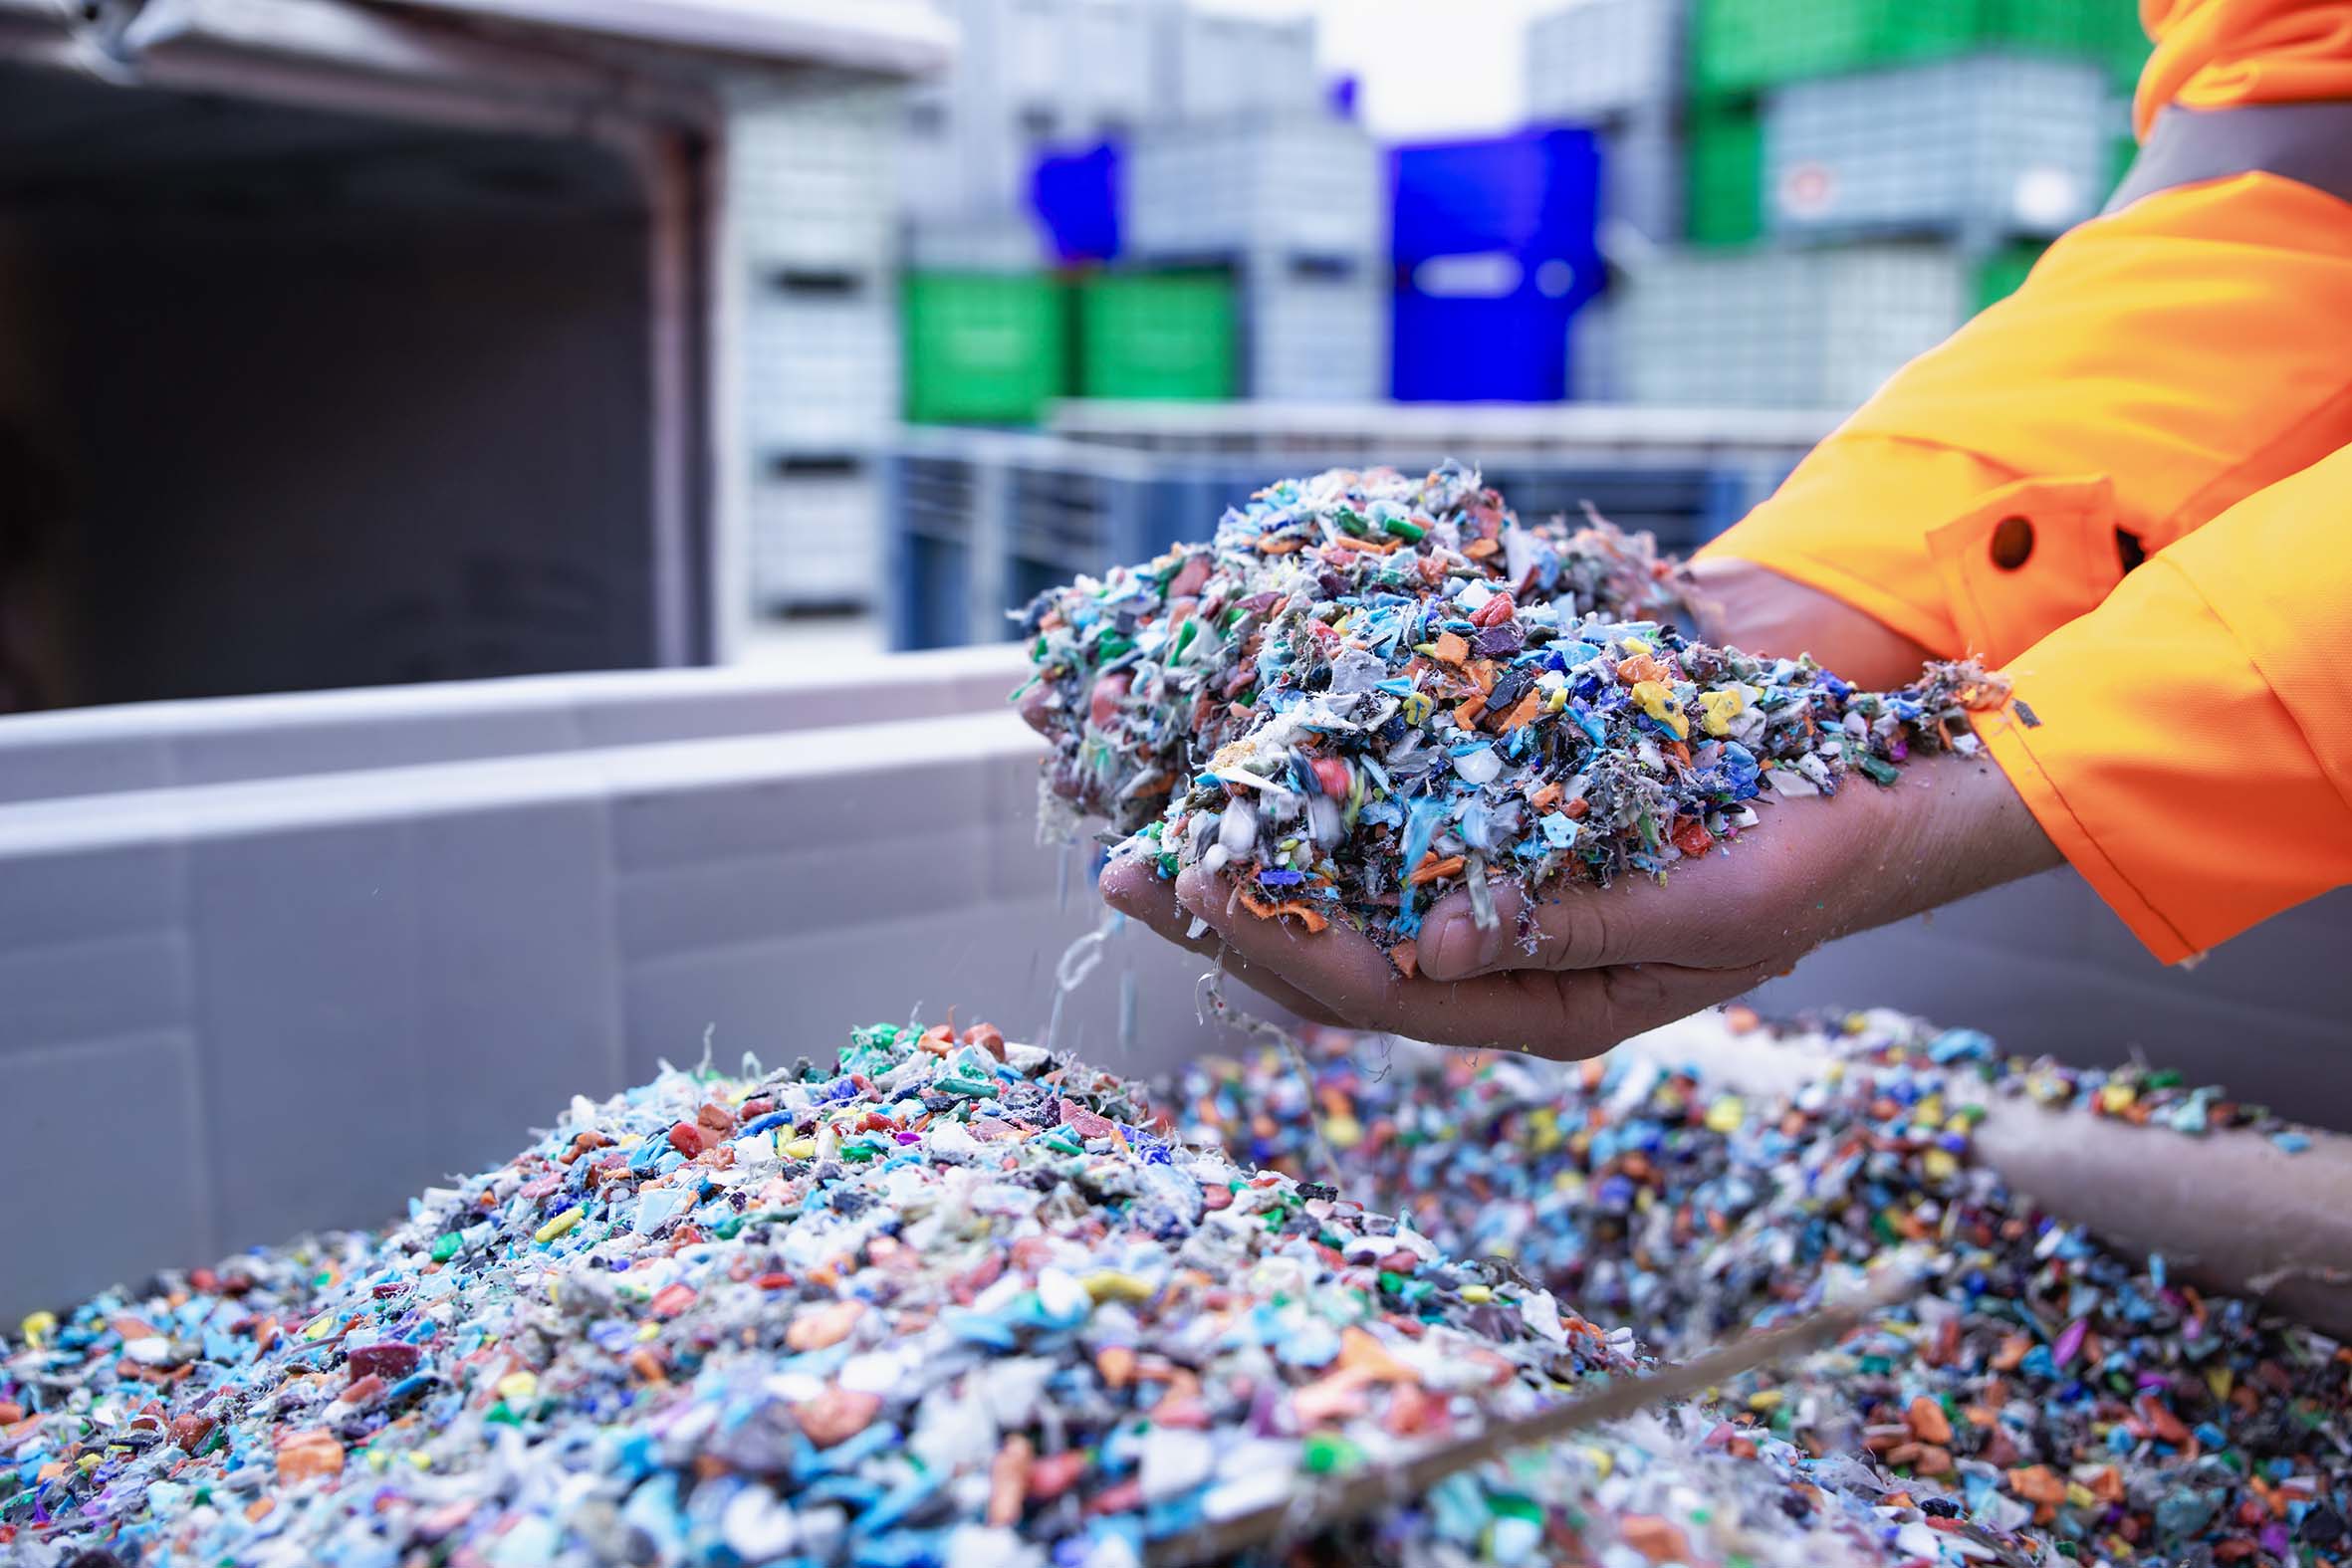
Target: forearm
(2110, 394)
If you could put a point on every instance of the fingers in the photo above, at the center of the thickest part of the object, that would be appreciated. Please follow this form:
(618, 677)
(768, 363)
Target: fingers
(1032, 709)
(1722, 910)
(1135, 888)
(1570, 1014)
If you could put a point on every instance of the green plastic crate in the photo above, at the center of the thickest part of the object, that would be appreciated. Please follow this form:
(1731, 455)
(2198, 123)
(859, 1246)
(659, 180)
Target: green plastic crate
(985, 348)
(2000, 274)
(1168, 336)
(1725, 190)
(1741, 46)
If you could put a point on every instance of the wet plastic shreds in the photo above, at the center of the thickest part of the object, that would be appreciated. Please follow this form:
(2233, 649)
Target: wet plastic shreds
(2044, 1384)
(1370, 690)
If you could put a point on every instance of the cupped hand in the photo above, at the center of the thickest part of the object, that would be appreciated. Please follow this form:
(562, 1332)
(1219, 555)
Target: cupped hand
(1576, 969)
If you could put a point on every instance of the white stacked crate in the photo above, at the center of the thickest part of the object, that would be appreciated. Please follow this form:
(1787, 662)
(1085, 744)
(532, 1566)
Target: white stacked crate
(1616, 66)
(1593, 60)
(816, 532)
(1303, 181)
(1317, 328)
(1982, 149)
(813, 199)
(1297, 205)
(1035, 73)
(1782, 329)
(1214, 66)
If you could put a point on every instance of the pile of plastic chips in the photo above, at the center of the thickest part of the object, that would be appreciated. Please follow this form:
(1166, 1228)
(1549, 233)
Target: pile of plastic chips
(952, 1301)
(1368, 691)
(2043, 1382)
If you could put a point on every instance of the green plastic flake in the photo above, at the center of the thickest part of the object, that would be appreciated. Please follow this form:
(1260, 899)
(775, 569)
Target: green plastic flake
(1327, 1454)
(445, 1246)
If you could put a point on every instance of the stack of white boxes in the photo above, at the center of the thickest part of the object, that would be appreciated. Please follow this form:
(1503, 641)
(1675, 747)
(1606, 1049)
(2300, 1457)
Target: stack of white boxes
(1233, 160)
(1616, 66)
(1782, 329)
(1984, 149)
(814, 209)
(1029, 74)
(1297, 203)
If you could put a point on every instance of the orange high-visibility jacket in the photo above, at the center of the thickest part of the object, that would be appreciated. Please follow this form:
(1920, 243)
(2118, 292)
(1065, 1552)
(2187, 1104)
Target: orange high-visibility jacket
(2173, 380)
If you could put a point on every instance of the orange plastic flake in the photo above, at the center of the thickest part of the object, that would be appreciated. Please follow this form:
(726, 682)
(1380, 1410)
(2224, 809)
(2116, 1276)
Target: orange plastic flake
(1450, 648)
(1523, 712)
(1431, 869)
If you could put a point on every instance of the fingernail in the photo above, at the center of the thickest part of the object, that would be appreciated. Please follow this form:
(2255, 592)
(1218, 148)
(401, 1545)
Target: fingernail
(1453, 947)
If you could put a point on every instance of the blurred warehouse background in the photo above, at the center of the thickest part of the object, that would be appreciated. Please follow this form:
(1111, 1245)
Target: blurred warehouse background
(474, 337)
(1178, 248)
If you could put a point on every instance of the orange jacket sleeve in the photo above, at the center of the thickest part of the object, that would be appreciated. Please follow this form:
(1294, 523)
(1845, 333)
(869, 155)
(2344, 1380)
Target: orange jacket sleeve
(2162, 366)
(2212, 54)
(2187, 745)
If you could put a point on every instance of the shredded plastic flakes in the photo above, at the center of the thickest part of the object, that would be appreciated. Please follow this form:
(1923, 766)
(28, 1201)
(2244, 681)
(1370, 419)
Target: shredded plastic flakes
(1370, 690)
(2043, 1385)
(954, 1301)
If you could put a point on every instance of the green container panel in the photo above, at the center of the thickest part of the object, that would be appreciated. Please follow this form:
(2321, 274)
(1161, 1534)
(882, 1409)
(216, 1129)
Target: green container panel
(2000, 274)
(1741, 46)
(985, 348)
(1167, 336)
(1725, 190)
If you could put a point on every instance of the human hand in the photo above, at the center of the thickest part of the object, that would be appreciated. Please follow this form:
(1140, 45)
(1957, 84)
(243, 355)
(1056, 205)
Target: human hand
(1579, 967)
(1753, 609)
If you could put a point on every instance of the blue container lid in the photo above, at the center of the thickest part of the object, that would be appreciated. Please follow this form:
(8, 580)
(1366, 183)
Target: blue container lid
(1534, 193)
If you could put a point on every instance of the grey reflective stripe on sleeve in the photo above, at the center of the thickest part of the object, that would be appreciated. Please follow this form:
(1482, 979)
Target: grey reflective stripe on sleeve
(2310, 143)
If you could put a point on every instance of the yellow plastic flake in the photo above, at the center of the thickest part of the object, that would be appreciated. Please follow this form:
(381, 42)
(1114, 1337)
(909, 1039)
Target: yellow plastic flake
(2116, 1098)
(1603, 1463)
(318, 1327)
(647, 1331)
(803, 1148)
(1940, 1164)
(1478, 1296)
(1659, 702)
(557, 1226)
(2080, 1496)
(517, 1387)
(1726, 1114)
(2219, 1380)
(1721, 708)
(37, 1327)
(418, 1459)
(1765, 1399)
(1634, 646)
(1109, 1284)
(1416, 706)
(1343, 1132)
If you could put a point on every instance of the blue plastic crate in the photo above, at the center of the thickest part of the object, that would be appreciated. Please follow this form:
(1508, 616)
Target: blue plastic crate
(1536, 193)
(1472, 348)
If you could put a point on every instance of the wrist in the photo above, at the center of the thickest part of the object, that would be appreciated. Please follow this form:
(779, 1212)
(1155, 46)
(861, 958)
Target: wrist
(1959, 826)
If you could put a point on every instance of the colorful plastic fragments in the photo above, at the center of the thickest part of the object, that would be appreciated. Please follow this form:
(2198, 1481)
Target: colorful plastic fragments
(1367, 691)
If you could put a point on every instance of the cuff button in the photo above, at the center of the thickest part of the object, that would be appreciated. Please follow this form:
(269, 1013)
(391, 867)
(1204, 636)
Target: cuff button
(2012, 543)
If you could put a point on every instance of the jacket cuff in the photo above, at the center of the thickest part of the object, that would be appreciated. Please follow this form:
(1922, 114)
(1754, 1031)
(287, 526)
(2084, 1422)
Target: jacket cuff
(2167, 769)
